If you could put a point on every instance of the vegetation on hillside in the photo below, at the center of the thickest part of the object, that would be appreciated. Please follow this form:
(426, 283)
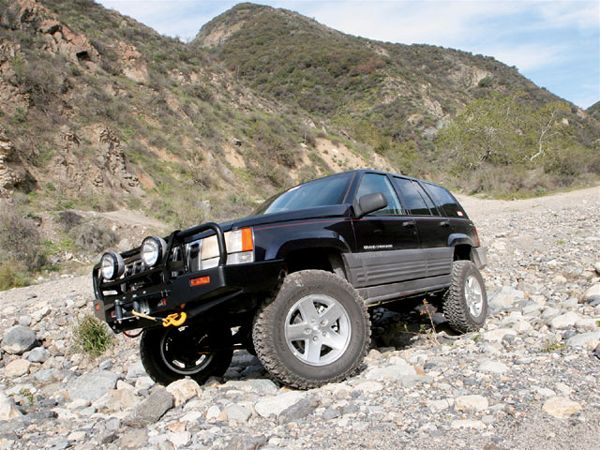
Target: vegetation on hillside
(98, 111)
(594, 110)
(504, 146)
(428, 110)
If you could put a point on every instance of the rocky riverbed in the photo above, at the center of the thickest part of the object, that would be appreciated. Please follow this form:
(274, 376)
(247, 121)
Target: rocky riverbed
(529, 379)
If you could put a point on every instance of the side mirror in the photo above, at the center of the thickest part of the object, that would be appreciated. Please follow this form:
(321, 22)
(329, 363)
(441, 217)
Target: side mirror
(369, 203)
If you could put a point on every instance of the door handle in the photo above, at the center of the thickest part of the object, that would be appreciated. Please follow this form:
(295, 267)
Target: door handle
(444, 223)
(409, 224)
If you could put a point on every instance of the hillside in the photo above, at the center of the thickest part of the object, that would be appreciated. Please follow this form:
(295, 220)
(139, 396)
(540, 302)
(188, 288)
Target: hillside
(594, 110)
(401, 100)
(100, 113)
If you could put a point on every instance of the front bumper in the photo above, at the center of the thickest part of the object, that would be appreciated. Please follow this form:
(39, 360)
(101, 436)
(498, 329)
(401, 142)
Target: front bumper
(168, 287)
(226, 283)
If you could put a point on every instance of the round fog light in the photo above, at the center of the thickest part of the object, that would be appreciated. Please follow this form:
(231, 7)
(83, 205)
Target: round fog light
(112, 265)
(153, 250)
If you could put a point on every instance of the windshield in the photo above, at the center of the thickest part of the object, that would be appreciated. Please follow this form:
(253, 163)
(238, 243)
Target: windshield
(328, 191)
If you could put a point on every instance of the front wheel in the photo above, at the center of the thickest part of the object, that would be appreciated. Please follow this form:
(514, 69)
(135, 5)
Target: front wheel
(169, 354)
(465, 302)
(315, 331)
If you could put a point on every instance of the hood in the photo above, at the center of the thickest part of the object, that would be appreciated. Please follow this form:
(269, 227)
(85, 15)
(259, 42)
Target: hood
(285, 216)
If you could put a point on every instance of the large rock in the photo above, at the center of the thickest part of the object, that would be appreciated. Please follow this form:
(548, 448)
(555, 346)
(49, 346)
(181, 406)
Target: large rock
(183, 390)
(18, 339)
(17, 368)
(8, 410)
(588, 341)
(561, 407)
(38, 355)
(305, 407)
(237, 413)
(493, 367)
(498, 334)
(91, 386)
(117, 400)
(592, 295)
(566, 320)
(152, 409)
(275, 405)
(398, 370)
(505, 298)
(471, 403)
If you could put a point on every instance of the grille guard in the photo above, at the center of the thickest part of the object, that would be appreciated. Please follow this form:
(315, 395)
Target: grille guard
(166, 266)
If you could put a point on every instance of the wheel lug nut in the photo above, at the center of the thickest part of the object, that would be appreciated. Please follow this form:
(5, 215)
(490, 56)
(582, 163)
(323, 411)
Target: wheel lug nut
(315, 338)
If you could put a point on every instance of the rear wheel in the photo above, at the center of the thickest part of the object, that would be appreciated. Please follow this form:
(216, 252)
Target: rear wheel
(465, 302)
(315, 331)
(169, 354)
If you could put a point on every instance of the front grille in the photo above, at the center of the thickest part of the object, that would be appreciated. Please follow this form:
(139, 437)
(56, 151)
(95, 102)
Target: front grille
(133, 268)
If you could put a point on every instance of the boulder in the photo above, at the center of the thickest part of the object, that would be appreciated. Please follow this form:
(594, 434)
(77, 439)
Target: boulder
(471, 403)
(93, 385)
(38, 355)
(152, 409)
(17, 368)
(8, 409)
(505, 298)
(493, 367)
(566, 320)
(183, 390)
(275, 405)
(18, 339)
(561, 407)
(592, 295)
(588, 340)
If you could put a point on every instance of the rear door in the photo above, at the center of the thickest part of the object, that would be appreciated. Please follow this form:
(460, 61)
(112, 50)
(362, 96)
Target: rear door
(434, 229)
(451, 214)
(386, 241)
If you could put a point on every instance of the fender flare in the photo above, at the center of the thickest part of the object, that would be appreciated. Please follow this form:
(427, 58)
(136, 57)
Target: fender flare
(460, 239)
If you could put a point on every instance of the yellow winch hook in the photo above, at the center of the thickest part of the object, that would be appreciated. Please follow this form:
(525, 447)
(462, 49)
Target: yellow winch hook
(175, 319)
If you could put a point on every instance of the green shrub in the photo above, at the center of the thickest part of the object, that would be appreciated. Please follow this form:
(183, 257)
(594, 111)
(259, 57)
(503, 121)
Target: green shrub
(12, 275)
(92, 336)
(19, 239)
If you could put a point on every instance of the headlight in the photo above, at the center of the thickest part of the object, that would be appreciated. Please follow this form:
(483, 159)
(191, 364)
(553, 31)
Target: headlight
(153, 250)
(239, 244)
(112, 265)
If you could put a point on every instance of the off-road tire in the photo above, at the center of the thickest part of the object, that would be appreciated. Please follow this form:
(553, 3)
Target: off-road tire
(269, 336)
(454, 302)
(159, 370)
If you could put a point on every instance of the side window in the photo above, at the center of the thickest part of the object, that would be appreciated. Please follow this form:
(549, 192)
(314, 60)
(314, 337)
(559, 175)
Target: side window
(415, 199)
(445, 201)
(372, 183)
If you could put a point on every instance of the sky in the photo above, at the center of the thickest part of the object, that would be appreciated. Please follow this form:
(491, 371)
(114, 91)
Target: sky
(556, 44)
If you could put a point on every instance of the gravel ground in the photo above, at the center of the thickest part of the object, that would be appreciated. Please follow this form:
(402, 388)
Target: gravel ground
(529, 379)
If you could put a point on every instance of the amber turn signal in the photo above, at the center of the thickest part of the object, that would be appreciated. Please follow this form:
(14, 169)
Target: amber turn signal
(199, 281)
(247, 240)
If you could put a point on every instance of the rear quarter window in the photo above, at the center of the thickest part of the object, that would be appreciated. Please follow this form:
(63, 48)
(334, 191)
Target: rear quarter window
(444, 200)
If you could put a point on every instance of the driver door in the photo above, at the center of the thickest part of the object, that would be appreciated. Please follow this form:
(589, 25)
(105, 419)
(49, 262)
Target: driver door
(386, 241)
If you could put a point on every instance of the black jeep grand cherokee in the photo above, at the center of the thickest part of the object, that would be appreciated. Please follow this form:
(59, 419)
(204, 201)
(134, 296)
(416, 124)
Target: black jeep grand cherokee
(293, 282)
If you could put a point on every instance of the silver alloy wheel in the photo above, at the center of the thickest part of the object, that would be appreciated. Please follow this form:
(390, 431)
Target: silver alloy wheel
(179, 361)
(474, 296)
(317, 329)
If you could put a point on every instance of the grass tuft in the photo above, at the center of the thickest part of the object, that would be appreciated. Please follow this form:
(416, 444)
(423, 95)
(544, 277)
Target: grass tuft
(92, 336)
